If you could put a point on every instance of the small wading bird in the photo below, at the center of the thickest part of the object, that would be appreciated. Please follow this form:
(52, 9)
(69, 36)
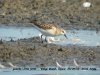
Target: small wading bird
(48, 29)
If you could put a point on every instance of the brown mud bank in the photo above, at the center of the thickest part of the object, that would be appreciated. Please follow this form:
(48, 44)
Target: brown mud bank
(68, 13)
(31, 52)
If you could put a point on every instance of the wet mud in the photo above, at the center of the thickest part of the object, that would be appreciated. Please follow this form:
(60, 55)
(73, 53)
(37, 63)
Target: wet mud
(31, 52)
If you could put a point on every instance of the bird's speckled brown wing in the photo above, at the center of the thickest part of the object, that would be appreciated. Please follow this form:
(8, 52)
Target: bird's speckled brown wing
(43, 26)
(46, 26)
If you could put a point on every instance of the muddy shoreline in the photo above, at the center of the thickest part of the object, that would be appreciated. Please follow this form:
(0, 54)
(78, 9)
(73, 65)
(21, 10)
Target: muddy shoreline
(69, 14)
(31, 52)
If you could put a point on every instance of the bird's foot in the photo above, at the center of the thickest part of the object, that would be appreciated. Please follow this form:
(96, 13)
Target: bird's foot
(42, 41)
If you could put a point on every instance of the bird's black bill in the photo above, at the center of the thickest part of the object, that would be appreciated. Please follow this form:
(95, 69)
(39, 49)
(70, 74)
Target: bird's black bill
(65, 36)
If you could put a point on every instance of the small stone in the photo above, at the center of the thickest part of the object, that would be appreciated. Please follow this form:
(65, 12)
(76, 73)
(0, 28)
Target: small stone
(86, 4)
(60, 49)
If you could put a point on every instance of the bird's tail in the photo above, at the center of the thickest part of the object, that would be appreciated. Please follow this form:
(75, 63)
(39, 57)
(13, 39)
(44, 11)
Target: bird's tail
(35, 22)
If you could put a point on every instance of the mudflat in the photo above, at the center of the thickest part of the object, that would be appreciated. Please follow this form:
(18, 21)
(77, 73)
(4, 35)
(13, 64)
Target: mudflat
(69, 15)
(31, 52)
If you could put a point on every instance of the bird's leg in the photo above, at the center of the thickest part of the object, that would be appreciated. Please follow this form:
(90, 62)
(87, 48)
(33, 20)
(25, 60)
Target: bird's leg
(41, 39)
(46, 38)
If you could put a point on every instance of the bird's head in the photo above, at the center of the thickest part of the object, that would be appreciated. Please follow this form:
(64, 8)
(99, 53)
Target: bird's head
(63, 32)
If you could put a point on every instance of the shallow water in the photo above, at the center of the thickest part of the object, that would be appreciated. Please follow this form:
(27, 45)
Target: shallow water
(49, 72)
(75, 37)
(6, 33)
